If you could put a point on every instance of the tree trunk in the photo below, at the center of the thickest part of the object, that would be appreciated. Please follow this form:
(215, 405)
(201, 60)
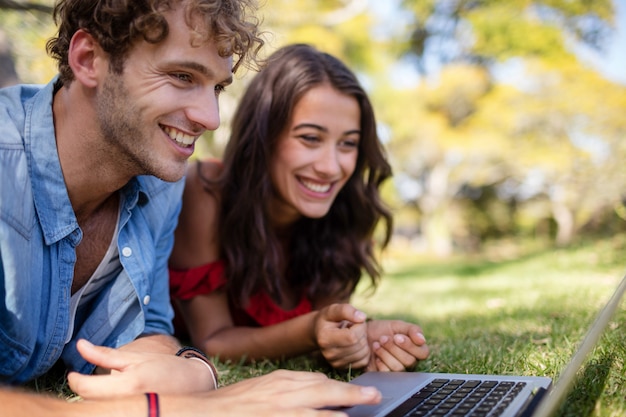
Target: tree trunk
(564, 218)
(434, 206)
(8, 74)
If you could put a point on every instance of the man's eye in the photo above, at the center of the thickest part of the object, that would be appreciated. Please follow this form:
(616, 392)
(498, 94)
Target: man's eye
(186, 78)
(219, 89)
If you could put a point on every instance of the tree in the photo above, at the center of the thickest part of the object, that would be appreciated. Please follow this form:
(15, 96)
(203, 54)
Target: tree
(29, 20)
(8, 75)
(25, 6)
(471, 129)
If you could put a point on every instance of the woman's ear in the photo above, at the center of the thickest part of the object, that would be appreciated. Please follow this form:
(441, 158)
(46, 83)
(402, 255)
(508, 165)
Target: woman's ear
(86, 58)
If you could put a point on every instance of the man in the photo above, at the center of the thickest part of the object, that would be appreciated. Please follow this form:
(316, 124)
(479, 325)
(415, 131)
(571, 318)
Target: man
(90, 193)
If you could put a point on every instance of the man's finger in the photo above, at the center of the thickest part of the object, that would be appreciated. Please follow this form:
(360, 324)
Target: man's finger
(95, 387)
(101, 356)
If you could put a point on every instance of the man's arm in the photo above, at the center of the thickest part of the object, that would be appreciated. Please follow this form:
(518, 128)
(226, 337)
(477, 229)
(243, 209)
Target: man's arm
(147, 364)
(19, 403)
(278, 394)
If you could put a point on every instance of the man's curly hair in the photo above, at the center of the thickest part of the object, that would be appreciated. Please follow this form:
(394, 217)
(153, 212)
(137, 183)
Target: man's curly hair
(117, 24)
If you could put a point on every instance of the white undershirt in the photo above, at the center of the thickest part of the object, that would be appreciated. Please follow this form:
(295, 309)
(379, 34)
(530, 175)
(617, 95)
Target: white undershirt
(108, 270)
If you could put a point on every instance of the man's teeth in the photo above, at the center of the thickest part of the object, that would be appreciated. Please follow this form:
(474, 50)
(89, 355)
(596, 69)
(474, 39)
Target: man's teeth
(318, 188)
(179, 137)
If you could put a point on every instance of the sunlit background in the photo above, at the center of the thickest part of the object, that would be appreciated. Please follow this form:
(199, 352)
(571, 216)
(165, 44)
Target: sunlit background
(504, 120)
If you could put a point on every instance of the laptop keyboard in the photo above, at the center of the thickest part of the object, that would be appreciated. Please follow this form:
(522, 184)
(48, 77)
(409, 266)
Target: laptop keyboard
(458, 397)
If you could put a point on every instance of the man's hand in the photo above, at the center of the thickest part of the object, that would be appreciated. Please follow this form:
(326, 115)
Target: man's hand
(396, 345)
(288, 393)
(132, 372)
(341, 334)
(278, 394)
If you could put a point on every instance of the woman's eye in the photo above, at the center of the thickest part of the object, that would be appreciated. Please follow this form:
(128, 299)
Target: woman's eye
(350, 143)
(309, 138)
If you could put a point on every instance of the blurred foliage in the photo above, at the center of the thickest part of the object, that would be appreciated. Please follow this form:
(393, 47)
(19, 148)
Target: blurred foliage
(548, 134)
(497, 130)
(24, 30)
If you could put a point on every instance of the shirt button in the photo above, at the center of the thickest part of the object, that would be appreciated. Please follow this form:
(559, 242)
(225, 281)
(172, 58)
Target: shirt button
(127, 252)
(146, 300)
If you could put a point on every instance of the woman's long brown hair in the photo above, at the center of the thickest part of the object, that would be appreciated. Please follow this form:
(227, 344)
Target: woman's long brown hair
(328, 255)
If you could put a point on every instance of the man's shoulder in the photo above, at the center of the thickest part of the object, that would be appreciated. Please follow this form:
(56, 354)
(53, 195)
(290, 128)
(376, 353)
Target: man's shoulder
(13, 109)
(16, 95)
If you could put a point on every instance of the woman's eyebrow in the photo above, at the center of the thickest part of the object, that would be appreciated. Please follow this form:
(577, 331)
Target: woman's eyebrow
(323, 129)
(311, 126)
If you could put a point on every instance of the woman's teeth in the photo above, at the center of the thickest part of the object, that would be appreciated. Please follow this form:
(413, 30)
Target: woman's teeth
(318, 188)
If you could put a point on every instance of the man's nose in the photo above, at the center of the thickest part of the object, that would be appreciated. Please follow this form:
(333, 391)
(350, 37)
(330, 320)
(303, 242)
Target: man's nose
(204, 109)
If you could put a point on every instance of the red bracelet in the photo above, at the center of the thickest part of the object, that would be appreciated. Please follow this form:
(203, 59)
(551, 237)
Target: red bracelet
(153, 404)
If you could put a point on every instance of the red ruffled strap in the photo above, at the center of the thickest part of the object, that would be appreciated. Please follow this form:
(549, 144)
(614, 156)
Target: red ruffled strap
(205, 279)
(266, 312)
(188, 283)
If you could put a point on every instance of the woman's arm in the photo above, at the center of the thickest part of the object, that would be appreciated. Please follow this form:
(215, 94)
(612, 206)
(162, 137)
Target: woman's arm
(212, 329)
(333, 330)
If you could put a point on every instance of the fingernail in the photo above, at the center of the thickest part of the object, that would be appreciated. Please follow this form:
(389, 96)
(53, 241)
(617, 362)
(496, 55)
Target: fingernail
(398, 338)
(360, 316)
(384, 339)
(376, 345)
(421, 336)
(369, 391)
(87, 342)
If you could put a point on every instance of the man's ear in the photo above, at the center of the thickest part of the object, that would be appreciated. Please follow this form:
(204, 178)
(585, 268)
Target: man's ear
(86, 58)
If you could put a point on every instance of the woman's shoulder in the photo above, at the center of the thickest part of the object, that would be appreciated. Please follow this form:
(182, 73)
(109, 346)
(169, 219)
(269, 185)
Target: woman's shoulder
(209, 168)
(203, 174)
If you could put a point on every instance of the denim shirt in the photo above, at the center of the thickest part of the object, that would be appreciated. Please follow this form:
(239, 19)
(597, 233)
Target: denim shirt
(38, 236)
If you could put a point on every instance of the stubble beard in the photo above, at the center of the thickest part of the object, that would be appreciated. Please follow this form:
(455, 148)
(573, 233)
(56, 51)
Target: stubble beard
(127, 141)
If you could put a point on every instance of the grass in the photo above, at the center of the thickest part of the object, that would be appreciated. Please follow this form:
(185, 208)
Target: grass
(515, 313)
(508, 311)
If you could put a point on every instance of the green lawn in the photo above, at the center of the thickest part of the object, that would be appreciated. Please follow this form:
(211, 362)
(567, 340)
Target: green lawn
(509, 311)
(516, 314)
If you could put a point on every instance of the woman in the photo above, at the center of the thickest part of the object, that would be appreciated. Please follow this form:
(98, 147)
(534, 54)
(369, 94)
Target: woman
(273, 241)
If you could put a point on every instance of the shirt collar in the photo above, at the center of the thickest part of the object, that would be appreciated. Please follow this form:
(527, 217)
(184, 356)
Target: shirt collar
(50, 195)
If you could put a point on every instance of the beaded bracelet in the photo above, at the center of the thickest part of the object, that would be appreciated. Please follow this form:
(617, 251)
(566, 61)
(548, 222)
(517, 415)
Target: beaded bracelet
(190, 352)
(153, 404)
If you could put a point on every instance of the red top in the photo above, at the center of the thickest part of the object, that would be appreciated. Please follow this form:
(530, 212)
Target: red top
(261, 310)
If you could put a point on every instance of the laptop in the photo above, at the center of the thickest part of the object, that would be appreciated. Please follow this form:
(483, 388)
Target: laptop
(456, 395)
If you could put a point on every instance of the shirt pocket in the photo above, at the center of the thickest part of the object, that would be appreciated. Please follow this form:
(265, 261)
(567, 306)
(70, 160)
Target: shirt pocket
(13, 358)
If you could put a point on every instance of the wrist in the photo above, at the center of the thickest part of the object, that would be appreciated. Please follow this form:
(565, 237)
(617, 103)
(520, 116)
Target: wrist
(197, 355)
(313, 329)
(153, 404)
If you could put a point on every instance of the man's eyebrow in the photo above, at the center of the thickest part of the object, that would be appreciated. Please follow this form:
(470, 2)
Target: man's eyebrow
(202, 69)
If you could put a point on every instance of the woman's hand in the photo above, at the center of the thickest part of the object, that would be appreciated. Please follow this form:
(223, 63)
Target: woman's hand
(341, 335)
(396, 345)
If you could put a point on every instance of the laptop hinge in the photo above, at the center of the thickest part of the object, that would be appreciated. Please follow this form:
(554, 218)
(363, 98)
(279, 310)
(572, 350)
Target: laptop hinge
(533, 402)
